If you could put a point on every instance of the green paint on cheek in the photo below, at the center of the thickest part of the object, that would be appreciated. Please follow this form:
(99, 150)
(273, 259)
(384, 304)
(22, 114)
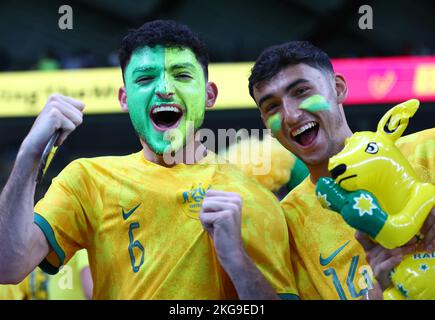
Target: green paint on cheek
(274, 123)
(190, 92)
(315, 103)
(145, 63)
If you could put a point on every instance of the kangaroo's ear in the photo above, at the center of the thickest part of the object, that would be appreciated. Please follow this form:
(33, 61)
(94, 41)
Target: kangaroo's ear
(395, 121)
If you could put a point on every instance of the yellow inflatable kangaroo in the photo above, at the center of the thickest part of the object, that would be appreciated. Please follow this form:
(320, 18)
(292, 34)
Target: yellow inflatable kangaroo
(377, 191)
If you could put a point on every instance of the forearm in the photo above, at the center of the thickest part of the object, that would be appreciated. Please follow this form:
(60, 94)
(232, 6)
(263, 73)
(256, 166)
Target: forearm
(221, 217)
(87, 283)
(16, 216)
(247, 279)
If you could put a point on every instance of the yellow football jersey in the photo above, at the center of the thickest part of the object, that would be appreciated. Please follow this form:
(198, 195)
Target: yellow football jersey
(139, 223)
(33, 287)
(328, 261)
(67, 283)
(12, 292)
(36, 285)
(419, 149)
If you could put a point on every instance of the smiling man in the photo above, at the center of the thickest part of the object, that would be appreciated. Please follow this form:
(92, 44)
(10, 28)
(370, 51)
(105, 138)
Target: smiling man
(166, 89)
(153, 229)
(301, 99)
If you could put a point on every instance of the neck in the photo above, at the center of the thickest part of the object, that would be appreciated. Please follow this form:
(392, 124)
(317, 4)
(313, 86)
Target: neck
(317, 171)
(321, 169)
(191, 153)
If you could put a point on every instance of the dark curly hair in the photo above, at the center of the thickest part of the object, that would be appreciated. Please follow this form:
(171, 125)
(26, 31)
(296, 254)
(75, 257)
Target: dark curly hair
(273, 59)
(166, 33)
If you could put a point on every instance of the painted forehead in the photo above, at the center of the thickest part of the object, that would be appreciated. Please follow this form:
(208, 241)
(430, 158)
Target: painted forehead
(294, 72)
(148, 58)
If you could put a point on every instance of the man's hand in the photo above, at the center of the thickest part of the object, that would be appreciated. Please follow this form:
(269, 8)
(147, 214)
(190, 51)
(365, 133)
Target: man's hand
(382, 260)
(428, 231)
(221, 218)
(23, 244)
(60, 112)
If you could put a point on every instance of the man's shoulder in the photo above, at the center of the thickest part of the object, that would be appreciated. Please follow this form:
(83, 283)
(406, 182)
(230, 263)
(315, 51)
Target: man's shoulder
(108, 160)
(303, 193)
(255, 195)
(314, 228)
(301, 206)
(417, 138)
(98, 165)
(232, 172)
(419, 149)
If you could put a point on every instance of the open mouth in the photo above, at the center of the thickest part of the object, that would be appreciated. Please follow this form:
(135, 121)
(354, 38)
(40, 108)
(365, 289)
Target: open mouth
(166, 116)
(306, 134)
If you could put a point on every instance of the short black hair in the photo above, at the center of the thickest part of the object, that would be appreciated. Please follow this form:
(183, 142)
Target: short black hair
(273, 59)
(166, 33)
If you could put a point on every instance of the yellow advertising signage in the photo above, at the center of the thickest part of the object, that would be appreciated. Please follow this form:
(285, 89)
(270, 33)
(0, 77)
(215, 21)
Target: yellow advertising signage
(370, 80)
(25, 93)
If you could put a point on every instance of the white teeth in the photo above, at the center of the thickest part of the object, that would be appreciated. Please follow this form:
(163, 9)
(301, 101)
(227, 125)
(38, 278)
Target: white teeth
(165, 108)
(303, 128)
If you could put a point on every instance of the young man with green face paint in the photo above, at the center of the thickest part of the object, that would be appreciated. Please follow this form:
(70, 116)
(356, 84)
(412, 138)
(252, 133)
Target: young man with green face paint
(137, 215)
(166, 91)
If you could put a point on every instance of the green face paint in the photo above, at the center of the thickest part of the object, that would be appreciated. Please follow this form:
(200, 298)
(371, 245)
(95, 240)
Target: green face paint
(166, 78)
(315, 103)
(274, 123)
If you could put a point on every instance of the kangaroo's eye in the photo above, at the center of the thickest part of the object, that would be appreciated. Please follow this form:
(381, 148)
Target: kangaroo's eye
(372, 148)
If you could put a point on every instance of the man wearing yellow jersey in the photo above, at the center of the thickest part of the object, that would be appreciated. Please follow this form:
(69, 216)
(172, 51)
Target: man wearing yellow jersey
(301, 100)
(154, 228)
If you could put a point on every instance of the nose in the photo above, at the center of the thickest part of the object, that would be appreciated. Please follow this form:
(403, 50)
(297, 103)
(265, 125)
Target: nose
(291, 113)
(338, 170)
(164, 96)
(164, 90)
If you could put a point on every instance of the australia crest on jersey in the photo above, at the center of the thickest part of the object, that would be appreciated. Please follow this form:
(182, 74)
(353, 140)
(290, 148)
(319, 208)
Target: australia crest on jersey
(192, 199)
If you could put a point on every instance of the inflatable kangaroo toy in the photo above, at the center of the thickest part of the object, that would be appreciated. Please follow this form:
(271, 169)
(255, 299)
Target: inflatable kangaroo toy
(376, 191)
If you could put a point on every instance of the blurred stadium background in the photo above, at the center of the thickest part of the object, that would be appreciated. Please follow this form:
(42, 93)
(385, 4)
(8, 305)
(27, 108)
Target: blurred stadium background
(235, 31)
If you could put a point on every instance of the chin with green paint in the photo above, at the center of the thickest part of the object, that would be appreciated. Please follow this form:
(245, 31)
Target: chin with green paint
(166, 96)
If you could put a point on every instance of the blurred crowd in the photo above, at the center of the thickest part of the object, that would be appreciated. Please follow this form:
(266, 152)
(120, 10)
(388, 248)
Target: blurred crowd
(52, 60)
(84, 58)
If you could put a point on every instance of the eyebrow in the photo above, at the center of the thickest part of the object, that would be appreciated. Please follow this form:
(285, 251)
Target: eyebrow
(289, 87)
(183, 65)
(144, 69)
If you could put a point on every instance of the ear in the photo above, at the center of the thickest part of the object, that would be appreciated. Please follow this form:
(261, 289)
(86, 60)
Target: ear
(212, 93)
(340, 87)
(122, 98)
(395, 121)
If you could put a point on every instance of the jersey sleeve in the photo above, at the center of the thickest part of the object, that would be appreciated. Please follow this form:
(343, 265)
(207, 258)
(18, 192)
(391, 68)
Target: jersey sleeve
(11, 292)
(272, 257)
(265, 235)
(419, 149)
(61, 215)
(304, 283)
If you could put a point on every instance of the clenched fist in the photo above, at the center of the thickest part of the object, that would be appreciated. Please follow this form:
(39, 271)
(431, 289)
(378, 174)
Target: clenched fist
(221, 217)
(60, 113)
